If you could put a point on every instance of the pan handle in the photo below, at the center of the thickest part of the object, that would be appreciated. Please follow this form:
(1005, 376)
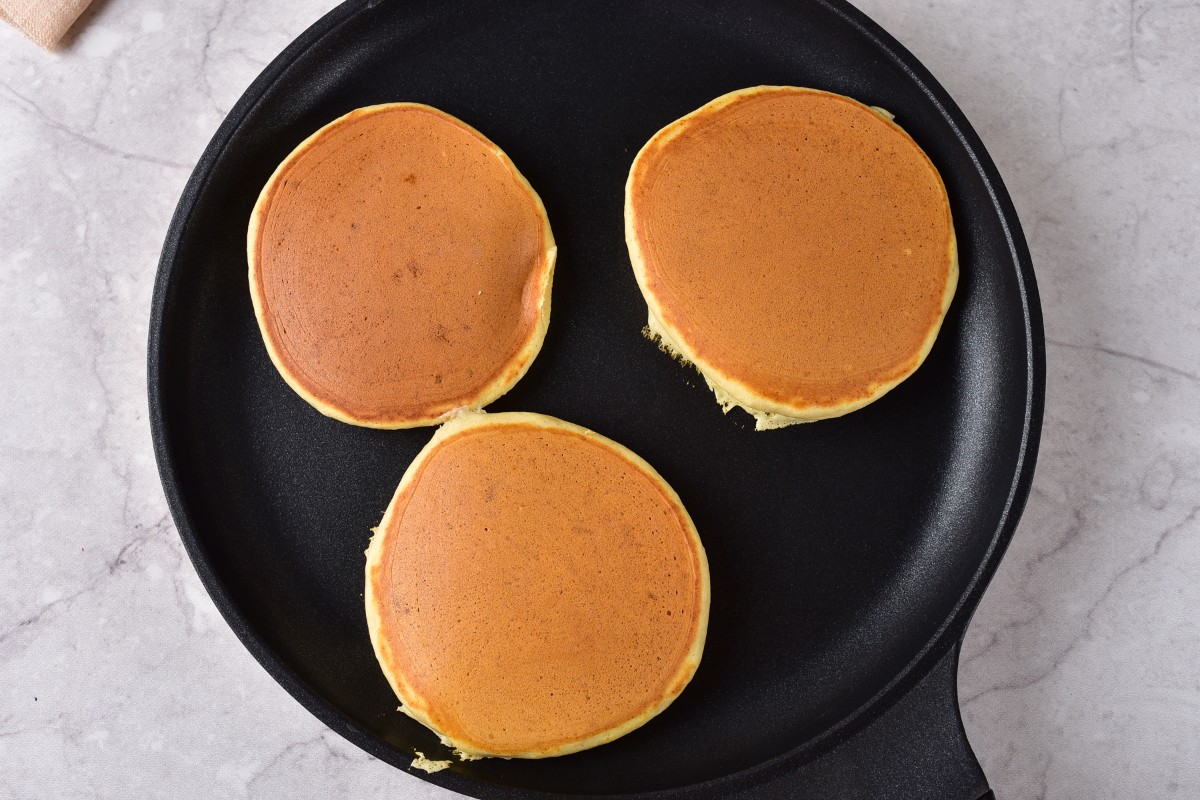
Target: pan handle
(916, 750)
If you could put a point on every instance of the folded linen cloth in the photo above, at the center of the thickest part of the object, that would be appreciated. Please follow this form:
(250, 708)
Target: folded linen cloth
(44, 21)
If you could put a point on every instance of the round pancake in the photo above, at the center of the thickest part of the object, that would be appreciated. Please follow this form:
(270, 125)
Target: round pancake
(534, 589)
(796, 246)
(400, 268)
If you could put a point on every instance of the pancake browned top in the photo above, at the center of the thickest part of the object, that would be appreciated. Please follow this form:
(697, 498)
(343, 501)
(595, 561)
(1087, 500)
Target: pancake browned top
(795, 245)
(400, 267)
(534, 588)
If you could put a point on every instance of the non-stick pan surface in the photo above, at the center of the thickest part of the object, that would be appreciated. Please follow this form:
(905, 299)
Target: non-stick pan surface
(846, 555)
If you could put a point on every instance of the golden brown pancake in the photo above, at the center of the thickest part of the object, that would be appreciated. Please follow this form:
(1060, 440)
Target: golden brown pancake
(400, 268)
(796, 246)
(534, 588)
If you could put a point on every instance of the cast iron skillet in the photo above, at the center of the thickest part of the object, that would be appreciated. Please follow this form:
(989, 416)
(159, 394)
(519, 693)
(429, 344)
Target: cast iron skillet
(847, 555)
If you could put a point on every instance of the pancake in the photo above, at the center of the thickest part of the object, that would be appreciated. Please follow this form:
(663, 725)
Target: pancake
(534, 589)
(796, 246)
(400, 268)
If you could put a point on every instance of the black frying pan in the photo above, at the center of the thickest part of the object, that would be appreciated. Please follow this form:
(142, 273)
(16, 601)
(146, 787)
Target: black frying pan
(847, 555)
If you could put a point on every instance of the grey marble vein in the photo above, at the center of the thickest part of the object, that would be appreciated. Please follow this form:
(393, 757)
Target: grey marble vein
(1079, 674)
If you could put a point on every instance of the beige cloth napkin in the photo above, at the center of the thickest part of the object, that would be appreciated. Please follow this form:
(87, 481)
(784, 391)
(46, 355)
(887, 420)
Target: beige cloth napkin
(44, 21)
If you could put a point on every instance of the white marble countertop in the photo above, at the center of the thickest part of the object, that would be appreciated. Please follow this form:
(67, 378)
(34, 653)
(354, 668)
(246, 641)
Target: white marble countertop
(1081, 672)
